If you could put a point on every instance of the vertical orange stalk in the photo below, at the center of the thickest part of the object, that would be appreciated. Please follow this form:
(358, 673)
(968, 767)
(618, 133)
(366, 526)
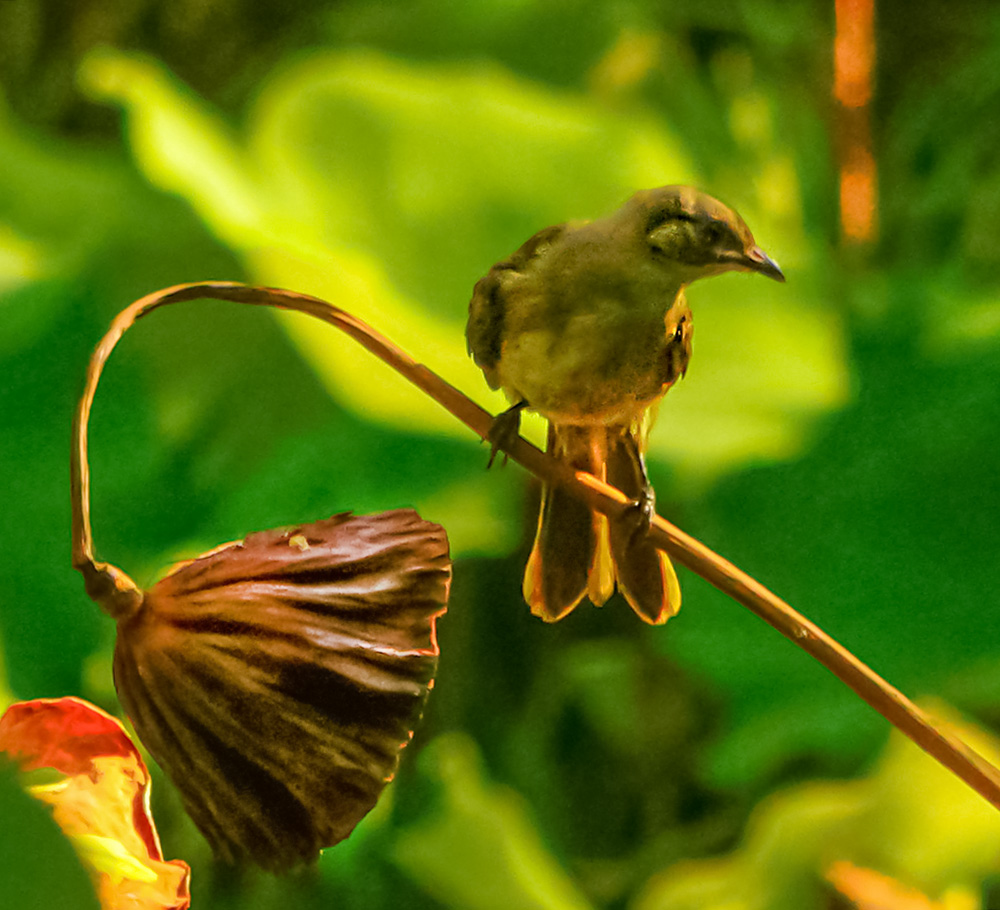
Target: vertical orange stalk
(854, 61)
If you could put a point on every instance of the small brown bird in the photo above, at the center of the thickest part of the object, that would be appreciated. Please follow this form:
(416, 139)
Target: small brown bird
(588, 325)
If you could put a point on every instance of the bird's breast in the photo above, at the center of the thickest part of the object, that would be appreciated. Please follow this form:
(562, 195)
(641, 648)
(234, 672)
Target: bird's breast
(598, 363)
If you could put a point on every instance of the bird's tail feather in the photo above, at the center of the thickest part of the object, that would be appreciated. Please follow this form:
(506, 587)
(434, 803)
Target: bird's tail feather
(578, 552)
(571, 556)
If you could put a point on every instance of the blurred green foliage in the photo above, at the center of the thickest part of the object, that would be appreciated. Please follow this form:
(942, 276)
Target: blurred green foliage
(910, 818)
(39, 867)
(836, 437)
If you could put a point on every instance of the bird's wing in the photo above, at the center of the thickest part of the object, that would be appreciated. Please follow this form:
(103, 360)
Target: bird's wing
(484, 332)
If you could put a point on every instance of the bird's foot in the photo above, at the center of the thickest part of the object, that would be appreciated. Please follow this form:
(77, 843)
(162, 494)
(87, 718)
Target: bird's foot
(638, 516)
(506, 427)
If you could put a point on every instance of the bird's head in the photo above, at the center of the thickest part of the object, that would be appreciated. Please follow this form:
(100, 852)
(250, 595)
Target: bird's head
(696, 234)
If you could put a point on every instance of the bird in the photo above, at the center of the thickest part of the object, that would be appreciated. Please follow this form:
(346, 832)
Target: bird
(587, 324)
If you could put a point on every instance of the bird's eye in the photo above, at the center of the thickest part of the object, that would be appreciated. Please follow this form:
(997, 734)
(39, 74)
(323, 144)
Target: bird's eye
(679, 331)
(713, 233)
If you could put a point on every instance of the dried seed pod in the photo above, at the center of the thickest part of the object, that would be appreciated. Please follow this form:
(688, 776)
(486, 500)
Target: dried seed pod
(277, 679)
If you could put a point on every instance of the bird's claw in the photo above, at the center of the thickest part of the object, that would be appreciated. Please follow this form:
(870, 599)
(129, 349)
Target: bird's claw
(638, 515)
(506, 428)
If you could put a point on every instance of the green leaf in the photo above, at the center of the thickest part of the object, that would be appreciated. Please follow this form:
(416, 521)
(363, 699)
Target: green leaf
(478, 849)
(389, 188)
(39, 869)
(911, 819)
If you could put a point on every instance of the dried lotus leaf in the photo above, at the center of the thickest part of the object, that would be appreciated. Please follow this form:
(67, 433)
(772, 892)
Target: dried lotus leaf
(276, 679)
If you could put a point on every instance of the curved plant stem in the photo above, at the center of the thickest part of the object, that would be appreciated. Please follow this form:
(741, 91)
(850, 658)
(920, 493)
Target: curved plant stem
(117, 594)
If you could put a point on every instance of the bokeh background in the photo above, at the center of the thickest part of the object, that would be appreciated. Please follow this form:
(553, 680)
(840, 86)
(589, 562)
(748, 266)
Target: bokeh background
(837, 437)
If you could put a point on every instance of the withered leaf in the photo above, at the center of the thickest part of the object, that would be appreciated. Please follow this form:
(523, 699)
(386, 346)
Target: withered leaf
(277, 679)
(102, 802)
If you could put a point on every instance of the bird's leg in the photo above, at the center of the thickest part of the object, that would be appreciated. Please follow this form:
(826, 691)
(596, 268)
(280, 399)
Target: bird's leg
(504, 430)
(638, 514)
(642, 572)
(627, 471)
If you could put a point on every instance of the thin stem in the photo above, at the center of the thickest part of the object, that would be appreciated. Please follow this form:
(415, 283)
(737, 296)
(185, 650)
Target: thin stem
(117, 592)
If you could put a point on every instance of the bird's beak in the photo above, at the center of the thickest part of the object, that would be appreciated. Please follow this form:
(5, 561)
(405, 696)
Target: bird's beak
(756, 260)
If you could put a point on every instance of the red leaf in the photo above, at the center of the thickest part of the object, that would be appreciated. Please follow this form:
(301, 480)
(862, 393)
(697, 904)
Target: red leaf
(102, 805)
